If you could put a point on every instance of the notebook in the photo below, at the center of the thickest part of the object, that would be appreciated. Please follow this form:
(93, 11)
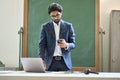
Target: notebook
(33, 65)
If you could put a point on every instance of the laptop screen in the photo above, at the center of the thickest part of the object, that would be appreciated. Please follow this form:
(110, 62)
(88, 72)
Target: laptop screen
(33, 64)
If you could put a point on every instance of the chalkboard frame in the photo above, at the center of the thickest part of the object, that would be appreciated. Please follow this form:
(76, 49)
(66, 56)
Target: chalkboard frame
(24, 37)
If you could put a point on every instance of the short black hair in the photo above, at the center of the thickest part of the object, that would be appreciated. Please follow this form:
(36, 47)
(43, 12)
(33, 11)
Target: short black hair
(54, 7)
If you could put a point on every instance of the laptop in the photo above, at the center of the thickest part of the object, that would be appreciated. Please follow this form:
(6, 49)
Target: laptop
(33, 65)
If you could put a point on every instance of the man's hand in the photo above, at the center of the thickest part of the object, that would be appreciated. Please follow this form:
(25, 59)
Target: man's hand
(44, 64)
(62, 43)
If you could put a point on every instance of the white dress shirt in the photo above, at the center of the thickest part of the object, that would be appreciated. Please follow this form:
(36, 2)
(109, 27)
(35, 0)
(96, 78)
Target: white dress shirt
(57, 51)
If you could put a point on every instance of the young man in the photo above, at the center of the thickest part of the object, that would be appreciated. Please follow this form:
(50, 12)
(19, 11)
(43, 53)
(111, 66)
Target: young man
(54, 52)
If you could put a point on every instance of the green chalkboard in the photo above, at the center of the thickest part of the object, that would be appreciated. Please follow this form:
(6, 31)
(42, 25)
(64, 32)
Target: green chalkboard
(81, 13)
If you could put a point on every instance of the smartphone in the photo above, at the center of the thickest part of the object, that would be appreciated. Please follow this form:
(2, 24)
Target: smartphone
(59, 40)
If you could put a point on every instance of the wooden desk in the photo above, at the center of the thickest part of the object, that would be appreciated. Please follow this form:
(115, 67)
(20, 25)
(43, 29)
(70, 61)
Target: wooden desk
(21, 75)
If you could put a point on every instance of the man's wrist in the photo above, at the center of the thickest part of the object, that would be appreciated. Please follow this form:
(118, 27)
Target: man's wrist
(67, 46)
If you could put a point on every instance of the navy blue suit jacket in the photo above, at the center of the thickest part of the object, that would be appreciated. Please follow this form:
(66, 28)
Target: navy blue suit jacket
(47, 42)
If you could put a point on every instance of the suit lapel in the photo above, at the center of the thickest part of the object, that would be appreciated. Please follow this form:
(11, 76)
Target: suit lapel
(61, 29)
(52, 29)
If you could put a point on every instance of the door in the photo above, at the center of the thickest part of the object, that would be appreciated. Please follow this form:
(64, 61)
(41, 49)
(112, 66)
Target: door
(115, 41)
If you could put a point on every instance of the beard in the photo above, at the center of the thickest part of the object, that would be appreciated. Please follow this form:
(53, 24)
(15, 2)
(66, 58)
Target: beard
(56, 21)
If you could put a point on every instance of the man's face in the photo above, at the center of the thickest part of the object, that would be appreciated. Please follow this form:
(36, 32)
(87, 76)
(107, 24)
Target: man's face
(55, 16)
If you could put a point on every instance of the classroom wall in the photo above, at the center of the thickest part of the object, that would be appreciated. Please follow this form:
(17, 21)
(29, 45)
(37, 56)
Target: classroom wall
(11, 19)
(105, 8)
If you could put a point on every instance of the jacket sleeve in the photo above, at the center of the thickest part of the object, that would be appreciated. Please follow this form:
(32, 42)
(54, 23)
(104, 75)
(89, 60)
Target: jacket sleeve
(42, 43)
(71, 38)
